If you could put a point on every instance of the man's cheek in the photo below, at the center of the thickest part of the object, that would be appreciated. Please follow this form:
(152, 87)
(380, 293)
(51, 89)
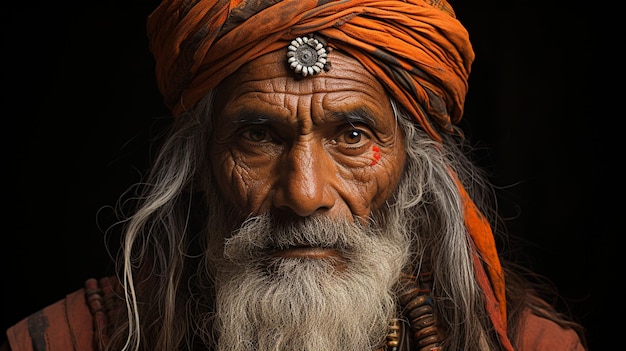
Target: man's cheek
(227, 176)
(388, 175)
(245, 187)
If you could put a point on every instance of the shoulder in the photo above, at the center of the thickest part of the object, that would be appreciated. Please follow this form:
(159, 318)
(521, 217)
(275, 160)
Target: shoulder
(68, 324)
(538, 333)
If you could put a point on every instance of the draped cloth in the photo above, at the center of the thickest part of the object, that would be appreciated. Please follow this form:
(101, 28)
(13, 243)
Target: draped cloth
(417, 49)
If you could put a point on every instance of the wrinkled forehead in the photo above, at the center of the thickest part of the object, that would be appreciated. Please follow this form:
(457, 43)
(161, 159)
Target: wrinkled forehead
(271, 73)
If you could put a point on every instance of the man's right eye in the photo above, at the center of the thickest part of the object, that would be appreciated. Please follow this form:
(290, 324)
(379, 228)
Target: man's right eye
(257, 135)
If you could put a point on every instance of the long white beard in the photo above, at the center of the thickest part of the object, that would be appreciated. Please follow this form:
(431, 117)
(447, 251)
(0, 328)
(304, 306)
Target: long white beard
(308, 304)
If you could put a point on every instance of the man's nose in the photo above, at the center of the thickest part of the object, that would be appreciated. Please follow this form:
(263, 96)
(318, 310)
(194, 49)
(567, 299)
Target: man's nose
(305, 183)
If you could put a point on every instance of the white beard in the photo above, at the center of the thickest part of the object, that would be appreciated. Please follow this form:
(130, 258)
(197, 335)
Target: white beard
(307, 304)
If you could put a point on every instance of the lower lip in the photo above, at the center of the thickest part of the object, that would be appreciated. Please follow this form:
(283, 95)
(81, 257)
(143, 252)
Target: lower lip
(308, 252)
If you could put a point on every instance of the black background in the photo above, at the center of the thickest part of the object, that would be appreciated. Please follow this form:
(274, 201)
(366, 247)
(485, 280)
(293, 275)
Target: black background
(79, 102)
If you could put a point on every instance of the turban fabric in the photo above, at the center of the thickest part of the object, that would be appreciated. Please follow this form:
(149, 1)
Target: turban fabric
(417, 49)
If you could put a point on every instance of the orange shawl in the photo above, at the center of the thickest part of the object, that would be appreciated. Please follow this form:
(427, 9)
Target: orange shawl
(417, 49)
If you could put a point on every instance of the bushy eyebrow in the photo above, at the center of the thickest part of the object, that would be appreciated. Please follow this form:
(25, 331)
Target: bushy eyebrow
(355, 116)
(251, 117)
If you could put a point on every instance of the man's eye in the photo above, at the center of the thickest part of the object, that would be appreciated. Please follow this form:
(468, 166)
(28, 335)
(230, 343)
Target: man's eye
(352, 136)
(256, 135)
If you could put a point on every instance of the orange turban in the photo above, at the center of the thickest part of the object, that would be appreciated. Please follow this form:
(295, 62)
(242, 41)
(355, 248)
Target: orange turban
(417, 48)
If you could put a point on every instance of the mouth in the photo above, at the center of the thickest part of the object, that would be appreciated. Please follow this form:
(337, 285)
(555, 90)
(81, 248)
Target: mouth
(328, 255)
(311, 252)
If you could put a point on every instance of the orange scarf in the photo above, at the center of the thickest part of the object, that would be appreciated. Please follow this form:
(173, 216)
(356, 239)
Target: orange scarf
(418, 49)
(486, 258)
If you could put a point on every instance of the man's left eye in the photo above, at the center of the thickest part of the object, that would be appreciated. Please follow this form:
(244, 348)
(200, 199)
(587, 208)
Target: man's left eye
(352, 137)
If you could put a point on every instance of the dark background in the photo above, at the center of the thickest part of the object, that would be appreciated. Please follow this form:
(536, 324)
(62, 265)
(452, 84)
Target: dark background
(79, 104)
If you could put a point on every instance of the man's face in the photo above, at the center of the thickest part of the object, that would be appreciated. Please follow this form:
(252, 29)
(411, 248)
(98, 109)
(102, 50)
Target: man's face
(325, 144)
(309, 162)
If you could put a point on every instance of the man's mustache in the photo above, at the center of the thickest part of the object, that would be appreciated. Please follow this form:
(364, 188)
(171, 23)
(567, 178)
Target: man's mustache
(266, 233)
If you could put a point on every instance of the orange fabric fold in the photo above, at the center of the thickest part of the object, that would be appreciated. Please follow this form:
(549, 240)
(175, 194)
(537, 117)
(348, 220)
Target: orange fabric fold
(486, 264)
(482, 236)
(494, 308)
(417, 48)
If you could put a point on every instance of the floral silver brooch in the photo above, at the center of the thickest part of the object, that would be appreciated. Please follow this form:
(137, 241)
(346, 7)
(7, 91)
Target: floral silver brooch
(306, 56)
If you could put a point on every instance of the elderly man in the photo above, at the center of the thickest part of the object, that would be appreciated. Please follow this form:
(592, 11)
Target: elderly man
(312, 194)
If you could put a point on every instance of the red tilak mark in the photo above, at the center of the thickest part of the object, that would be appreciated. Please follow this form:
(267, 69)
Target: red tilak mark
(376, 155)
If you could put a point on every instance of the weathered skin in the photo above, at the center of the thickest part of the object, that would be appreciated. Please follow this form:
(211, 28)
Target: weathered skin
(325, 144)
